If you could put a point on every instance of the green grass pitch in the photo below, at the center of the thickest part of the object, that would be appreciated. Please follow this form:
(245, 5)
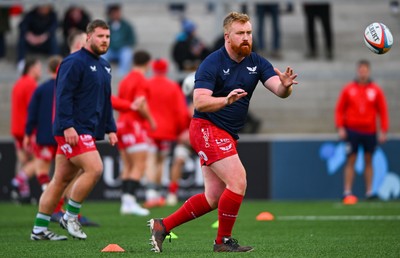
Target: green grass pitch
(300, 229)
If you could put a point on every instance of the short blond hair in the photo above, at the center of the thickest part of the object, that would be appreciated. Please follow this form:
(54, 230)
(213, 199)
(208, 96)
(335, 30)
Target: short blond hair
(234, 17)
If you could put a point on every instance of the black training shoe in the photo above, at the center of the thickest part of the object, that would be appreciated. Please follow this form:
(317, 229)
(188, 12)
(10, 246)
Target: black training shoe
(47, 235)
(231, 245)
(158, 234)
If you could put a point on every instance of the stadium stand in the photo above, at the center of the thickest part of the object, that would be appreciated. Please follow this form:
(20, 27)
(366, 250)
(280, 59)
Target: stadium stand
(310, 108)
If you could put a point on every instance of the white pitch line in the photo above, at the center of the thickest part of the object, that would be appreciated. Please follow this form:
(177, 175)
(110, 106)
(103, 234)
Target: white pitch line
(341, 218)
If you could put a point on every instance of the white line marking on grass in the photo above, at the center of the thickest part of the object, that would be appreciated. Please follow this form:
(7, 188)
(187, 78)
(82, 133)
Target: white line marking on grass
(336, 218)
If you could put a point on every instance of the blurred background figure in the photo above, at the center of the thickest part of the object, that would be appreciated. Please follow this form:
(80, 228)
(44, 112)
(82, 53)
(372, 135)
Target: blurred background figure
(188, 50)
(132, 133)
(271, 9)
(167, 105)
(183, 149)
(321, 10)
(75, 18)
(358, 108)
(38, 129)
(20, 97)
(37, 33)
(4, 27)
(76, 40)
(123, 39)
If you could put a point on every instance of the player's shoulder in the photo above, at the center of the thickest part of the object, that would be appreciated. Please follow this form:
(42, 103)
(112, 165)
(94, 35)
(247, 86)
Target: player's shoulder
(74, 58)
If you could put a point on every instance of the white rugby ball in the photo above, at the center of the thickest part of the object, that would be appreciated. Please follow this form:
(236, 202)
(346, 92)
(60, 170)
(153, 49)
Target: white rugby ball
(378, 38)
(188, 84)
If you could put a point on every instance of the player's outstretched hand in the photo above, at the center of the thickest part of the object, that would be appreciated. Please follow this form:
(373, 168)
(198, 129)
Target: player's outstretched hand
(235, 95)
(288, 77)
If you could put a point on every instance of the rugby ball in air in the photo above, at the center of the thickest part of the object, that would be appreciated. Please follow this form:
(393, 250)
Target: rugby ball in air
(378, 38)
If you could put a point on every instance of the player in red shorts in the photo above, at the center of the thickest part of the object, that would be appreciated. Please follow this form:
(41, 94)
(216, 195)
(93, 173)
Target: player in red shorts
(224, 84)
(21, 95)
(39, 125)
(168, 106)
(83, 114)
(132, 133)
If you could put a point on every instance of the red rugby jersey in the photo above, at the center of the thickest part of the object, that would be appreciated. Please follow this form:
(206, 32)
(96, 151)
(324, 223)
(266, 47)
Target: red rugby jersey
(20, 96)
(168, 107)
(359, 107)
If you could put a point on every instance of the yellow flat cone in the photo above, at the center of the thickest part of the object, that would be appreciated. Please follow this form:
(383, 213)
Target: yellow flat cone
(215, 224)
(113, 248)
(265, 216)
(173, 235)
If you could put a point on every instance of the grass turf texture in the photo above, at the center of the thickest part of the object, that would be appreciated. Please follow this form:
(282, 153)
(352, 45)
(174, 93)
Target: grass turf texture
(321, 229)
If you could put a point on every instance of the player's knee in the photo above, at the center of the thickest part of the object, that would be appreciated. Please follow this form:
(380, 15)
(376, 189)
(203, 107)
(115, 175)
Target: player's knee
(95, 170)
(238, 186)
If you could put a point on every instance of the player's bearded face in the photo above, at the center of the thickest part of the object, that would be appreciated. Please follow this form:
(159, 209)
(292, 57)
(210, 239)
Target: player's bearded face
(243, 49)
(241, 39)
(100, 41)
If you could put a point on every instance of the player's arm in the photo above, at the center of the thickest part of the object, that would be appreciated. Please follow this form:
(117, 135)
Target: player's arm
(281, 84)
(120, 105)
(204, 101)
(32, 121)
(141, 106)
(66, 84)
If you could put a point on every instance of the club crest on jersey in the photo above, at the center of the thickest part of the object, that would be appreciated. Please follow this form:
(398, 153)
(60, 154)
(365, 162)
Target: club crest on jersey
(252, 70)
(108, 69)
(93, 68)
(226, 72)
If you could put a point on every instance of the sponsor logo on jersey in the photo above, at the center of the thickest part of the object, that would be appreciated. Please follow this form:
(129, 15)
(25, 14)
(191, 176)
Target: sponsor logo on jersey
(226, 72)
(93, 68)
(108, 69)
(252, 70)
(371, 94)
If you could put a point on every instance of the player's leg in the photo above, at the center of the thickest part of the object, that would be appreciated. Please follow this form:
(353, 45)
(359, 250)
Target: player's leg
(232, 172)
(353, 140)
(349, 174)
(25, 169)
(44, 155)
(369, 144)
(368, 174)
(42, 172)
(193, 208)
(155, 163)
(92, 166)
(64, 173)
(137, 157)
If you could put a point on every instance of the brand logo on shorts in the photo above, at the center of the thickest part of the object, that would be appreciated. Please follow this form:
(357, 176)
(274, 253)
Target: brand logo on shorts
(203, 155)
(66, 148)
(87, 140)
(226, 148)
(128, 138)
(45, 152)
(206, 136)
(224, 144)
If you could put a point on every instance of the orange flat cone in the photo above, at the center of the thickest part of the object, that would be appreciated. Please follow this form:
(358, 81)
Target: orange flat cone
(113, 248)
(350, 200)
(265, 216)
